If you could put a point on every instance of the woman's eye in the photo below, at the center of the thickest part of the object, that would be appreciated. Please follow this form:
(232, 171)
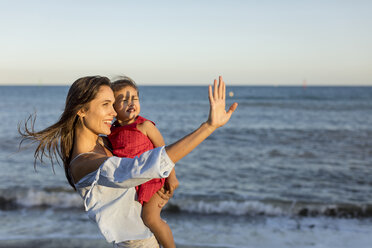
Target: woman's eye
(125, 100)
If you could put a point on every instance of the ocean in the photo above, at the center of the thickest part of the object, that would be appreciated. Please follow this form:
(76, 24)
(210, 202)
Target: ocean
(293, 168)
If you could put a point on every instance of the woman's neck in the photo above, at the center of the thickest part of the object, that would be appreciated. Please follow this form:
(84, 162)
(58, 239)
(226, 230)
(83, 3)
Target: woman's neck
(85, 141)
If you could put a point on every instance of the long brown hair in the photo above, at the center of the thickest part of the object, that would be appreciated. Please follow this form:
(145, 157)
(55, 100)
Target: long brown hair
(56, 141)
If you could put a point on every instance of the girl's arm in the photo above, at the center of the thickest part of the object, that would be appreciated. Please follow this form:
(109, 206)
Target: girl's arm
(149, 129)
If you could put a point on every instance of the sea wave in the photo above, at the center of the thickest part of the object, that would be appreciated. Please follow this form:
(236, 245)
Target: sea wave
(32, 197)
(63, 198)
(303, 104)
(272, 208)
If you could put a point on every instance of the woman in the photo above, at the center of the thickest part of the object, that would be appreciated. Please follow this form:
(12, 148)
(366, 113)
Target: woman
(107, 183)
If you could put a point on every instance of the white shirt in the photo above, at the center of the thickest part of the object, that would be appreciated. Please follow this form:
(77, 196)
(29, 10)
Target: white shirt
(110, 197)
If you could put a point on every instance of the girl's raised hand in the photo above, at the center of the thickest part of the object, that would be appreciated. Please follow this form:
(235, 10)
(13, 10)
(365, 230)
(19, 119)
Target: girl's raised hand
(217, 100)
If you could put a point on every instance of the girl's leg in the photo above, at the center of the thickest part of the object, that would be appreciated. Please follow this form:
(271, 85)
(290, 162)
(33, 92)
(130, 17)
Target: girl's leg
(151, 218)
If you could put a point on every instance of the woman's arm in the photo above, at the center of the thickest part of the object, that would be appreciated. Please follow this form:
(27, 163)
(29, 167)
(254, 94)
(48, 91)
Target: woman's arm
(217, 118)
(124, 172)
(151, 131)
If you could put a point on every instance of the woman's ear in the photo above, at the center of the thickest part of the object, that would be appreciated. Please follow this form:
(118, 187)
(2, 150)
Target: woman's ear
(81, 113)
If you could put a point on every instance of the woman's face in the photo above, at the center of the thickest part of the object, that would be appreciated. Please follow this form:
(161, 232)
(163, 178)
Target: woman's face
(100, 113)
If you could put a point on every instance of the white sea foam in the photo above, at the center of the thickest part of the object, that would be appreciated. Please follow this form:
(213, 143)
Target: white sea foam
(35, 197)
(229, 207)
(65, 198)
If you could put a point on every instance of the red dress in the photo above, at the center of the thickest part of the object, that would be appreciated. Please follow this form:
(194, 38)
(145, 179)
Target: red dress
(127, 141)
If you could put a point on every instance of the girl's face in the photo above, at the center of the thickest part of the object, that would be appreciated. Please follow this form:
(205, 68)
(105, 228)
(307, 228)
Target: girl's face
(100, 113)
(127, 105)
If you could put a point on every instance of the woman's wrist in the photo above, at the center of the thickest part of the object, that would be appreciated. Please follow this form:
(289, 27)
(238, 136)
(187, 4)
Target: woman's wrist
(208, 126)
(184, 146)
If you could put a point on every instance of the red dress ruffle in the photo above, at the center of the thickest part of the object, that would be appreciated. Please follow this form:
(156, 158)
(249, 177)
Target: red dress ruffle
(127, 141)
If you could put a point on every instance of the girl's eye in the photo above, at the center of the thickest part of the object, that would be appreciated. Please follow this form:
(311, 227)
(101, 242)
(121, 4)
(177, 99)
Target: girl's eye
(125, 100)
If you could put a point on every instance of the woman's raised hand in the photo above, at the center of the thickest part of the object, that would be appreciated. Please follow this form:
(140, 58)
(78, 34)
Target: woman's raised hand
(217, 99)
(217, 118)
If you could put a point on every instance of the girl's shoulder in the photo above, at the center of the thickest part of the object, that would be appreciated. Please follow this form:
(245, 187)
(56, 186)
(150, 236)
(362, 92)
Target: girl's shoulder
(141, 120)
(144, 124)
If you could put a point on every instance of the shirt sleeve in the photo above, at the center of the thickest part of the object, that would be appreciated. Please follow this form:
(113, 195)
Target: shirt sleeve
(127, 172)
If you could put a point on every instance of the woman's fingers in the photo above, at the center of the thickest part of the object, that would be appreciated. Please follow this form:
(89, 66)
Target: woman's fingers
(220, 87)
(232, 108)
(163, 194)
(210, 94)
(224, 91)
(215, 90)
(217, 97)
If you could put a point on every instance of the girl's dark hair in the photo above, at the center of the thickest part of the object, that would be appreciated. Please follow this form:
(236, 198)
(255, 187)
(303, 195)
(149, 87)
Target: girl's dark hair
(57, 140)
(123, 82)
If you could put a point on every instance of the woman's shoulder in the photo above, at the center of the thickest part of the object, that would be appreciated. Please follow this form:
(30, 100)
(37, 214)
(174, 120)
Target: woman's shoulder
(86, 163)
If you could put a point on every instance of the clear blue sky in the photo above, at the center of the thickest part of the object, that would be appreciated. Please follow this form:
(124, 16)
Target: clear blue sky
(187, 42)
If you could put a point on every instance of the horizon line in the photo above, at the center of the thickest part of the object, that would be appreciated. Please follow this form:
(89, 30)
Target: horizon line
(201, 85)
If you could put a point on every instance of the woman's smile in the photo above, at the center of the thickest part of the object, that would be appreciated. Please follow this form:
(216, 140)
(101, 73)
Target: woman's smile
(108, 122)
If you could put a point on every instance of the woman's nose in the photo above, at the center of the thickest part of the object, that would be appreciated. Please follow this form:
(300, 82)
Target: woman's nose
(113, 112)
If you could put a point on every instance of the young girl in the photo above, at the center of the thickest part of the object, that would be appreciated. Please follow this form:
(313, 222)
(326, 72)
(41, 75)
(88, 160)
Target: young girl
(131, 135)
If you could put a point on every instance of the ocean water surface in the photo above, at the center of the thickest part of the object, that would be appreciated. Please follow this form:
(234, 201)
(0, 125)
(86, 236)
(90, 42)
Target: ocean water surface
(291, 169)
